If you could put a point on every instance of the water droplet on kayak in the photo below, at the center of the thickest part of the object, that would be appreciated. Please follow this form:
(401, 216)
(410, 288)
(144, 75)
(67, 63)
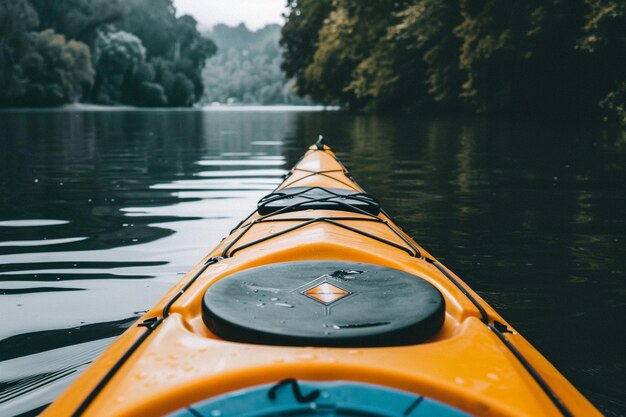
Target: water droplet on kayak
(355, 352)
(141, 375)
(459, 380)
(493, 376)
(283, 305)
(305, 356)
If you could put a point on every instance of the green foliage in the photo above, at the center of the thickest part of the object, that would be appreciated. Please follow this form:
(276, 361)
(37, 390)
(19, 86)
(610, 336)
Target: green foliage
(300, 34)
(495, 56)
(143, 54)
(165, 35)
(247, 68)
(117, 55)
(169, 70)
(17, 19)
(77, 19)
(604, 40)
(39, 69)
(56, 71)
(153, 21)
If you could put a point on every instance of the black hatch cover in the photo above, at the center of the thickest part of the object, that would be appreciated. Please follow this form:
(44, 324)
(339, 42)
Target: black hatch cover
(305, 198)
(323, 303)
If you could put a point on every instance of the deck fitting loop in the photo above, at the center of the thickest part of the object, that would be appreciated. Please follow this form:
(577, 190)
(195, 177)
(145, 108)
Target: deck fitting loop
(320, 143)
(502, 328)
(150, 323)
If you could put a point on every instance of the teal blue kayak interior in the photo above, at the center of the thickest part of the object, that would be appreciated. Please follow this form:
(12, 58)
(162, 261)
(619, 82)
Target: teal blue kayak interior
(328, 399)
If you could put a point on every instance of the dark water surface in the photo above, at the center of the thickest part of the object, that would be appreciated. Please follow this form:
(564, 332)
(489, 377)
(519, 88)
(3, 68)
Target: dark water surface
(102, 211)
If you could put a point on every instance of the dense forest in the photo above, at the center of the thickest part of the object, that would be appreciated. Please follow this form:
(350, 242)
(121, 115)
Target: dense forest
(541, 57)
(246, 68)
(134, 52)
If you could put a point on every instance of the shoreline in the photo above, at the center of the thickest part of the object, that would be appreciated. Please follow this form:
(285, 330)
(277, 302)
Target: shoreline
(212, 108)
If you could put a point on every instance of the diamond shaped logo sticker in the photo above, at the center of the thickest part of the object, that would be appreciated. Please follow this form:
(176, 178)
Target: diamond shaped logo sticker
(326, 293)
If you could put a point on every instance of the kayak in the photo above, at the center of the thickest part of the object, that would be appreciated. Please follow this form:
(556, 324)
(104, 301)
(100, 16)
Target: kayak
(319, 304)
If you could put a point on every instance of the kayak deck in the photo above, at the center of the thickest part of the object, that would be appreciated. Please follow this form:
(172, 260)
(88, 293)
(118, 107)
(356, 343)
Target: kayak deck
(185, 350)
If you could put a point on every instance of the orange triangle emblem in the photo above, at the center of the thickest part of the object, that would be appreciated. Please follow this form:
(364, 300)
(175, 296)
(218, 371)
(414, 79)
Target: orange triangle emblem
(326, 293)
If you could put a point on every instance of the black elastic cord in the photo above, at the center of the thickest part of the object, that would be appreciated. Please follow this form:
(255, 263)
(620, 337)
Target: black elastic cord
(411, 251)
(499, 329)
(413, 406)
(279, 195)
(323, 175)
(166, 309)
(533, 372)
(287, 209)
(295, 388)
(483, 314)
(150, 324)
(414, 251)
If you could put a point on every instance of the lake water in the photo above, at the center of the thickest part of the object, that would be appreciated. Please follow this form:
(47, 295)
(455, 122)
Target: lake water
(102, 211)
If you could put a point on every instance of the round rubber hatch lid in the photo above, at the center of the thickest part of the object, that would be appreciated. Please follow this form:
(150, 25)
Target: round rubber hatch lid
(323, 303)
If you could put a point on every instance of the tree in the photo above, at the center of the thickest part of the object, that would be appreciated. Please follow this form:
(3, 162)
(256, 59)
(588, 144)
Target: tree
(603, 39)
(116, 56)
(173, 47)
(17, 19)
(54, 71)
(247, 67)
(78, 19)
(300, 36)
(545, 57)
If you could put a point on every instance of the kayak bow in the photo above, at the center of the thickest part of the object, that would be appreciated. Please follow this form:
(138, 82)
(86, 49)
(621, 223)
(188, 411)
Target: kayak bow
(319, 304)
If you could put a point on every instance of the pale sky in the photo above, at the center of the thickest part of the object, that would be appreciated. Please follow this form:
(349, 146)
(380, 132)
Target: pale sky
(254, 13)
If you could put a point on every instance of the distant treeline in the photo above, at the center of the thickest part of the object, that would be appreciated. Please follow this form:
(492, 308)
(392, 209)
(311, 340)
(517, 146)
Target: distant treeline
(494, 56)
(246, 68)
(134, 52)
